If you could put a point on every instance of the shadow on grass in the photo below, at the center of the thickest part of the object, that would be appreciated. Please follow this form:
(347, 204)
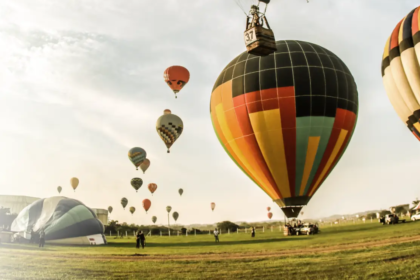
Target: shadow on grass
(30, 247)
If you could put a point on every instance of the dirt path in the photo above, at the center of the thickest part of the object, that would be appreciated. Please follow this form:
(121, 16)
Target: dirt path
(224, 256)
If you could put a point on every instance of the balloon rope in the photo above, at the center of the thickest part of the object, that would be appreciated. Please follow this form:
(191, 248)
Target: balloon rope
(237, 3)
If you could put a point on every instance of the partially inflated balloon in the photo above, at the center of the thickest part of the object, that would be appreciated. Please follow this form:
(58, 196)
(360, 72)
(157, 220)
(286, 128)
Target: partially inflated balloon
(175, 215)
(270, 215)
(145, 165)
(137, 155)
(286, 119)
(59, 189)
(180, 191)
(74, 183)
(154, 219)
(212, 206)
(132, 210)
(110, 209)
(401, 70)
(152, 187)
(146, 204)
(124, 202)
(176, 77)
(169, 127)
(136, 183)
(268, 209)
(168, 208)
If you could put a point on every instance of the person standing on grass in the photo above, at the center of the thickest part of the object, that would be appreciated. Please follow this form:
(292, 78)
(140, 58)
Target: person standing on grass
(253, 232)
(138, 239)
(142, 239)
(216, 235)
(41, 238)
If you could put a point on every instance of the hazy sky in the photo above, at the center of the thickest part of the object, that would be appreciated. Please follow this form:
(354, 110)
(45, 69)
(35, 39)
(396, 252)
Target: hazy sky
(81, 82)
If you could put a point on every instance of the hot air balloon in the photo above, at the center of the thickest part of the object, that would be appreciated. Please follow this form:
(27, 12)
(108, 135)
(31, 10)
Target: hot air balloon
(152, 187)
(175, 215)
(132, 210)
(401, 71)
(136, 183)
(212, 205)
(124, 202)
(154, 219)
(146, 204)
(270, 215)
(74, 183)
(176, 77)
(268, 209)
(145, 165)
(180, 191)
(137, 155)
(59, 189)
(110, 209)
(286, 119)
(169, 127)
(168, 209)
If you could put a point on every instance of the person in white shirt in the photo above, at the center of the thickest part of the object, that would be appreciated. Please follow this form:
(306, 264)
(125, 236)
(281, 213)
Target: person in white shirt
(216, 235)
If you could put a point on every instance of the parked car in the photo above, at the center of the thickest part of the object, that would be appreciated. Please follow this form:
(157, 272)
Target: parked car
(307, 229)
(415, 217)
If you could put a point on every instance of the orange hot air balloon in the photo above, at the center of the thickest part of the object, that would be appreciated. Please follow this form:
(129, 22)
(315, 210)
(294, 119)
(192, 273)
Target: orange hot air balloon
(146, 204)
(176, 77)
(268, 209)
(213, 205)
(270, 215)
(152, 187)
(145, 165)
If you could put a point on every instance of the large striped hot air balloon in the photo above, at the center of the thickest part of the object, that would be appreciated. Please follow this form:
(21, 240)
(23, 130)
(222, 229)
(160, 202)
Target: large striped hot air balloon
(286, 119)
(137, 155)
(401, 70)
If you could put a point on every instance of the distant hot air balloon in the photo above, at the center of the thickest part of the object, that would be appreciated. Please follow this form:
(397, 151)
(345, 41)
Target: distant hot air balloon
(168, 208)
(175, 215)
(132, 210)
(176, 77)
(401, 71)
(136, 183)
(301, 213)
(286, 119)
(146, 204)
(154, 219)
(270, 215)
(59, 189)
(124, 202)
(212, 205)
(137, 155)
(145, 165)
(268, 209)
(110, 209)
(180, 191)
(169, 127)
(152, 187)
(74, 183)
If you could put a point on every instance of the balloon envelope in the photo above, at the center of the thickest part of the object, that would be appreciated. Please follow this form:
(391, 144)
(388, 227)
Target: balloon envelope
(146, 204)
(175, 215)
(268, 209)
(176, 77)
(286, 119)
(137, 155)
(136, 183)
(270, 215)
(168, 208)
(124, 202)
(180, 191)
(401, 71)
(145, 165)
(110, 209)
(169, 127)
(212, 206)
(152, 187)
(132, 209)
(154, 219)
(74, 183)
(59, 189)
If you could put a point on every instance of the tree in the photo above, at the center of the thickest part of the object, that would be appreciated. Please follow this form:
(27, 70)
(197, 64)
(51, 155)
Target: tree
(227, 225)
(371, 216)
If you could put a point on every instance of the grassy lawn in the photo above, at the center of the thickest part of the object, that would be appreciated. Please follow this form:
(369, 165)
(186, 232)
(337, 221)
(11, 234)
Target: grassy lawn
(360, 251)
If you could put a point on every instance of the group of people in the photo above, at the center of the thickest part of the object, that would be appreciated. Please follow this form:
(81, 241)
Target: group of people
(140, 239)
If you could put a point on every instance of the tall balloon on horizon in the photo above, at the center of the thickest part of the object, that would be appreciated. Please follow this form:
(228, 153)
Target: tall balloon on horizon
(401, 71)
(169, 127)
(152, 187)
(110, 209)
(137, 155)
(74, 183)
(145, 165)
(286, 119)
(176, 77)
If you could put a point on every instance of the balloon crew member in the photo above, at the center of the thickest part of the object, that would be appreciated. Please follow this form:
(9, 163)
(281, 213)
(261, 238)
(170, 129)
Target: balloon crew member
(142, 239)
(216, 235)
(253, 232)
(41, 238)
(138, 240)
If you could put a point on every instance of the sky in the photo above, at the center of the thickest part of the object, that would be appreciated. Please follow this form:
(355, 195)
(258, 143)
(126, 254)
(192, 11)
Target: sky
(81, 82)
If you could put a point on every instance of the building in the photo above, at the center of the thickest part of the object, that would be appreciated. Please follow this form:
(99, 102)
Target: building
(102, 215)
(16, 203)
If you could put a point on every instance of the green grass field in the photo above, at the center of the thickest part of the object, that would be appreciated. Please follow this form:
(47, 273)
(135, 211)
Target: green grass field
(361, 251)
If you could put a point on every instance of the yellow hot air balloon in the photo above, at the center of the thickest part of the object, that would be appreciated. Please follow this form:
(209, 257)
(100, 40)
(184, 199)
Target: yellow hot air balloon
(401, 71)
(169, 127)
(286, 119)
(74, 183)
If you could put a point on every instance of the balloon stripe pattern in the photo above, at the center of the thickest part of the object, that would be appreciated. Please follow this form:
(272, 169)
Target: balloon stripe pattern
(401, 70)
(285, 119)
(169, 127)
